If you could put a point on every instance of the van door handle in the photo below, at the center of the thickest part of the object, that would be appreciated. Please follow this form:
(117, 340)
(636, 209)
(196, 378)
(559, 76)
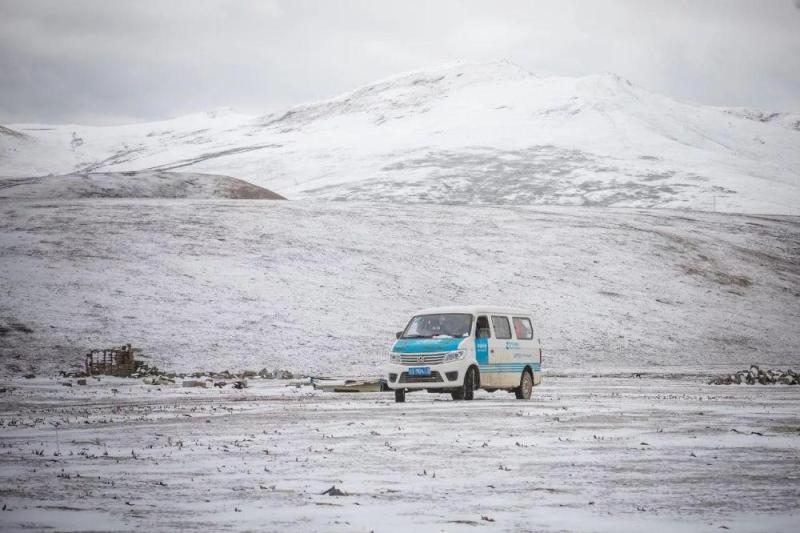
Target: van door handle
(491, 351)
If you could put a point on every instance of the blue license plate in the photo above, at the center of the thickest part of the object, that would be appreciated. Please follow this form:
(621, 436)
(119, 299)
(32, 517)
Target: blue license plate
(419, 371)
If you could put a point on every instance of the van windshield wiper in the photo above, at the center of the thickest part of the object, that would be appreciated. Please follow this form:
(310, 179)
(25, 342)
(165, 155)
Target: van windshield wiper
(416, 336)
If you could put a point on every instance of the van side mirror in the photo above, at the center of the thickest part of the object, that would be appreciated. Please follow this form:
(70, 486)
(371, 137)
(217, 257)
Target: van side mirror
(398, 334)
(483, 333)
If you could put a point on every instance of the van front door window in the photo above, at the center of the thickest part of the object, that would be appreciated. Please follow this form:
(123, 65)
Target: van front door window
(482, 328)
(455, 325)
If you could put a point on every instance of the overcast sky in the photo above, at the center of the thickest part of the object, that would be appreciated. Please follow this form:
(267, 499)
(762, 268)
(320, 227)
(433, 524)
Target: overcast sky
(106, 62)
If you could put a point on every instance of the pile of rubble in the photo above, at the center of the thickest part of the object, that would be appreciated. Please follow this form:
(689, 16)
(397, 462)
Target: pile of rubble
(246, 374)
(109, 362)
(758, 376)
(140, 370)
(208, 382)
(158, 379)
(237, 380)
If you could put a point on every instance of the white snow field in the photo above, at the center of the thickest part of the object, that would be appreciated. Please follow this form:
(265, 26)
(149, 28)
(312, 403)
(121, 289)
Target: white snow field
(586, 200)
(604, 453)
(460, 133)
(320, 287)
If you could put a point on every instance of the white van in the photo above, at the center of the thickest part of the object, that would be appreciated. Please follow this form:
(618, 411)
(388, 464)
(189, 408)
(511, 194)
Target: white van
(461, 349)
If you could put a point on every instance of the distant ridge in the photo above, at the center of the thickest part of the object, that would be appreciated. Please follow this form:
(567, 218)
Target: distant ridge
(11, 133)
(462, 133)
(145, 184)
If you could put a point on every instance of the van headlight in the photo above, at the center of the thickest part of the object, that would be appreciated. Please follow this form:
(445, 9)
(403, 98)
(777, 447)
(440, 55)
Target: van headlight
(395, 358)
(453, 356)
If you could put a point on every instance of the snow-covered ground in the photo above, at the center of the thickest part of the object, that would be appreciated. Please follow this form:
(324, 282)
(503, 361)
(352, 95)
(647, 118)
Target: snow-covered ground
(321, 287)
(566, 182)
(603, 453)
(461, 133)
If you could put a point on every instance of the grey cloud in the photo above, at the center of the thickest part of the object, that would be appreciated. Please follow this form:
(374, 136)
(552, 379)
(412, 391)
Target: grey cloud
(105, 62)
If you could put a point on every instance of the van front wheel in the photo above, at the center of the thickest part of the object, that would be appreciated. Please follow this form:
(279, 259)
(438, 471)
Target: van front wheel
(399, 395)
(467, 390)
(523, 392)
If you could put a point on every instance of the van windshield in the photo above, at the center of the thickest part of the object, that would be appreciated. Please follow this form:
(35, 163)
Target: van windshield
(452, 325)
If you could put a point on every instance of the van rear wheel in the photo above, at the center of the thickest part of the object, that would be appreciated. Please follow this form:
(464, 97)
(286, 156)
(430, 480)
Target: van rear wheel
(523, 392)
(399, 395)
(467, 390)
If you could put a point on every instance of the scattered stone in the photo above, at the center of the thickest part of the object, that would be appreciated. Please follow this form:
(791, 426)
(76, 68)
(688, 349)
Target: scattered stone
(29, 376)
(151, 375)
(71, 374)
(81, 382)
(757, 375)
(67, 383)
(157, 380)
(734, 430)
(333, 491)
(194, 383)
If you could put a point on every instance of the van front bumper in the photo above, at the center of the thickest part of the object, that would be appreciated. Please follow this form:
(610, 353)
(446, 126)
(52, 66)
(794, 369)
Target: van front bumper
(443, 376)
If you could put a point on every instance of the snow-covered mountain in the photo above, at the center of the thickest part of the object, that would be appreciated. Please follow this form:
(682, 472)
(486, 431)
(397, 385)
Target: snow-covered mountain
(461, 133)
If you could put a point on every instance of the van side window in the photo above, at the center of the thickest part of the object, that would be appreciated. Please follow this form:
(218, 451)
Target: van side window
(482, 328)
(523, 328)
(501, 328)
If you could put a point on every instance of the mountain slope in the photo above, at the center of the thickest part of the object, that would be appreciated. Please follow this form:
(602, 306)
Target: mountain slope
(145, 184)
(461, 133)
(321, 287)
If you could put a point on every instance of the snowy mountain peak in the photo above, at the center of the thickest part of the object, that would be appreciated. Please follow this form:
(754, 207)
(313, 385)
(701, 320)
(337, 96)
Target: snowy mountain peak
(610, 82)
(222, 112)
(466, 70)
(407, 90)
(464, 132)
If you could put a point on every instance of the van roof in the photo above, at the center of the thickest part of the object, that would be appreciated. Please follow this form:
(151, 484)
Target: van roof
(475, 310)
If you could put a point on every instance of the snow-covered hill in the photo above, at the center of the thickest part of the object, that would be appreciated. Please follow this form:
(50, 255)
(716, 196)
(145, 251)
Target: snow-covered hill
(461, 133)
(315, 286)
(145, 184)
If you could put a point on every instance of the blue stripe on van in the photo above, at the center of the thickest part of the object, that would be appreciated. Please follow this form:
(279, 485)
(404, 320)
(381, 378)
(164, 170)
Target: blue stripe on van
(517, 363)
(482, 351)
(426, 345)
(495, 368)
